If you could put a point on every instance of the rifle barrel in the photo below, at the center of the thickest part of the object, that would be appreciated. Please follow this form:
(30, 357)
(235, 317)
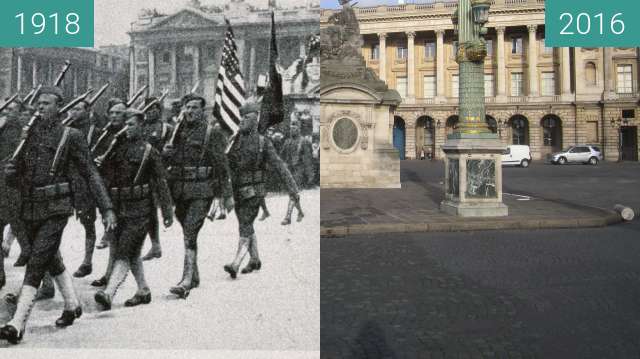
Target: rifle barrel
(9, 101)
(99, 94)
(67, 65)
(135, 97)
(76, 101)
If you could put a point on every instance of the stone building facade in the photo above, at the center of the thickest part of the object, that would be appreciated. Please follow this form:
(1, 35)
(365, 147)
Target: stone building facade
(547, 98)
(173, 52)
(26, 68)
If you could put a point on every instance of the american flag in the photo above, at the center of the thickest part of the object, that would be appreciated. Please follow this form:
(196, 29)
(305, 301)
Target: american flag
(230, 93)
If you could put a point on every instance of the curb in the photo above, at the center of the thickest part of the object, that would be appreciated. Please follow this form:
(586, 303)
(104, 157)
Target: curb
(468, 225)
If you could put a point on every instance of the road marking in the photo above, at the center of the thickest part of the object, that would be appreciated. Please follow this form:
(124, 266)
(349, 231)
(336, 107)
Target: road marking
(521, 197)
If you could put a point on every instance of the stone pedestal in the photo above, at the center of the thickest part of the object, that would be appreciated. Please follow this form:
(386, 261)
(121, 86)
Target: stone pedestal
(473, 176)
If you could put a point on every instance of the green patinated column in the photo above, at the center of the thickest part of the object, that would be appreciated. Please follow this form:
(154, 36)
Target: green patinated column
(472, 50)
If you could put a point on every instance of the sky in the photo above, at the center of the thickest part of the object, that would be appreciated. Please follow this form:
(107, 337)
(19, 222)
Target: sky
(113, 18)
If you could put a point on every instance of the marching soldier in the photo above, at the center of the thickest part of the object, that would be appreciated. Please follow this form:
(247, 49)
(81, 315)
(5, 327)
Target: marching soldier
(248, 158)
(297, 153)
(198, 169)
(157, 133)
(133, 173)
(84, 203)
(42, 172)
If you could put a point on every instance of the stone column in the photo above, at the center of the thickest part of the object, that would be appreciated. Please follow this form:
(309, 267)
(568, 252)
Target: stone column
(411, 87)
(533, 61)
(579, 69)
(75, 82)
(152, 70)
(90, 79)
(132, 70)
(566, 72)
(252, 67)
(607, 73)
(34, 72)
(174, 70)
(303, 48)
(440, 65)
(383, 56)
(196, 63)
(502, 69)
(19, 77)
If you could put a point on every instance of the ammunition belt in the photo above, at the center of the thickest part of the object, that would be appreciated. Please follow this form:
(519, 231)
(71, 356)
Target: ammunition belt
(53, 191)
(187, 174)
(130, 193)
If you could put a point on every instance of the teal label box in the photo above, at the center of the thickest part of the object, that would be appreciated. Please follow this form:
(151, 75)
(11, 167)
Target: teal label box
(46, 23)
(592, 23)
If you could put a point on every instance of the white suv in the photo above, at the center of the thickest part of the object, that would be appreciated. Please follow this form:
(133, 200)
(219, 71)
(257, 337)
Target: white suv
(578, 154)
(516, 155)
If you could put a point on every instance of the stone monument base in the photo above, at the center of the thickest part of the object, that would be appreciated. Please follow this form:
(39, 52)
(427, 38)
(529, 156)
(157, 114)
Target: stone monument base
(473, 176)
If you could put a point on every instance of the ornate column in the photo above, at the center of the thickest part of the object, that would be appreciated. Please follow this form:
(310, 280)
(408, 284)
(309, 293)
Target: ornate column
(533, 61)
(501, 78)
(34, 72)
(440, 64)
(566, 72)
(252, 66)
(174, 70)
(383, 56)
(19, 77)
(152, 70)
(196, 63)
(411, 87)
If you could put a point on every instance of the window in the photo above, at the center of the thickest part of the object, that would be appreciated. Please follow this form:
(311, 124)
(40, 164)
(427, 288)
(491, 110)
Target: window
(429, 85)
(548, 84)
(550, 129)
(590, 73)
(402, 52)
(454, 85)
(166, 57)
(429, 50)
(488, 85)
(546, 50)
(401, 86)
(489, 47)
(625, 82)
(516, 45)
(375, 52)
(628, 114)
(519, 131)
(516, 84)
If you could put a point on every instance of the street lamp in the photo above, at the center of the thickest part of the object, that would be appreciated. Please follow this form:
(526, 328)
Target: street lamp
(480, 10)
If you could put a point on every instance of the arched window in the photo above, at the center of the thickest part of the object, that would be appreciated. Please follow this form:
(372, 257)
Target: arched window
(520, 130)
(492, 124)
(590, 73)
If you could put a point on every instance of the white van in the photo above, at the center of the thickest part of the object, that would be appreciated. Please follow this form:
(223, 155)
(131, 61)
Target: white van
(516, 155)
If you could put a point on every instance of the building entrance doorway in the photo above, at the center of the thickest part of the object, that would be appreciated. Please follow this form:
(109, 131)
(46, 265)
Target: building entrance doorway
(629, 143)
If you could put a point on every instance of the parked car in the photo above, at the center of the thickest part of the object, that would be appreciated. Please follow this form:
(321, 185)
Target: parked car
(587, 154)
(517, 155)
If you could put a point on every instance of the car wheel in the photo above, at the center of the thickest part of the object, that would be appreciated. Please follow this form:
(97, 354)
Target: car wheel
(593, 161)
(524, 163)
(562, 161)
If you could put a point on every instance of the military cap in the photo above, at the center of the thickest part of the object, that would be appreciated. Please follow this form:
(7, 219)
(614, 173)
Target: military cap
(249, 107)
(151, 99)
(192, 97)
(114, 101)
(52, 90)
(132, 112)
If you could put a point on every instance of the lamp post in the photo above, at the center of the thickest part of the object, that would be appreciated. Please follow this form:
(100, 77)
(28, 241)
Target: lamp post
(617, 124)
(473, 167)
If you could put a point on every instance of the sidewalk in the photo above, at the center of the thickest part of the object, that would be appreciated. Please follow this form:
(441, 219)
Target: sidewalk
(415, 208)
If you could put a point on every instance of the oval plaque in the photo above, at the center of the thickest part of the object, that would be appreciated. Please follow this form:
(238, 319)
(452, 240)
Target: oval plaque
(345, 134)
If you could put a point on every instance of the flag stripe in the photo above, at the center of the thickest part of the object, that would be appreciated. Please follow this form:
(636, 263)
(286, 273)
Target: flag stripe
(230, 92)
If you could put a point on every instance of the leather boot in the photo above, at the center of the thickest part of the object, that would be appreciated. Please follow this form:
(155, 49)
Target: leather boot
(183, 288)
(287, 219)
(254, 262)
(243, 249)
(119, 274)
(143, 295)
(72, 308)
(14, 330)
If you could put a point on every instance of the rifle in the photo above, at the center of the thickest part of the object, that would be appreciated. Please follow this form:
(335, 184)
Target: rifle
(67, 65)
(27, 129)
(135, 97)
(68, 121)
(34, 95)
(180, 118)
(9, 101)
(153, 103)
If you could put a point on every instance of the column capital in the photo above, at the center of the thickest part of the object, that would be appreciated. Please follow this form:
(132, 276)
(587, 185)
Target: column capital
(532, 28)
(439, 32)
(500, 29)
(411, 34)
(382, 35)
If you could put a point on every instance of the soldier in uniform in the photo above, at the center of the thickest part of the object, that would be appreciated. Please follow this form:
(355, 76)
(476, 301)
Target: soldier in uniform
(84, 203)
(248, 158)
(157, 133)
(133, 171)
(297, 153)
(42, 172)
(176, 107)
(198, 169)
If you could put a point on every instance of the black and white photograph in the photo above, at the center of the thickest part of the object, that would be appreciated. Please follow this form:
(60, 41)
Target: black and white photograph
(160, 191)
